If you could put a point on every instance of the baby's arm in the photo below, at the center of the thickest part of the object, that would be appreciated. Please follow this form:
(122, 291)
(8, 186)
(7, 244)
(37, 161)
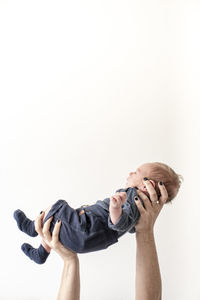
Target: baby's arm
(124, 213)
(115, 207)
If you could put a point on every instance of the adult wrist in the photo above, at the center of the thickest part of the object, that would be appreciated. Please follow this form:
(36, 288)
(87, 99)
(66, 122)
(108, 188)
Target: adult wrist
(70, 256)
(72, 263)
(70, 259)
(145, 236)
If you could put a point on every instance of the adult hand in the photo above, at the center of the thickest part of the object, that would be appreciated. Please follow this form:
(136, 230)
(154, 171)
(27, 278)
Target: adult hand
(152, 206)
(52, 241)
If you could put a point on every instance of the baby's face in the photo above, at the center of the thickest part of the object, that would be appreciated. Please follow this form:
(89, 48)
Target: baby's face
(135, 178)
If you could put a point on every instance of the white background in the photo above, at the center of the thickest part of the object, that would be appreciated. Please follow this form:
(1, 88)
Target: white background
(90, 90)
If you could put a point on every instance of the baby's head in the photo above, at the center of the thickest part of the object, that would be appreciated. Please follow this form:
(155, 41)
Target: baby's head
(156, 172)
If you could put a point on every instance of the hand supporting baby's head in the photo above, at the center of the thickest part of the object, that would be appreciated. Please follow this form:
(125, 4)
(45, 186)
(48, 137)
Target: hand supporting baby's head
(161, 172)
(156, 172)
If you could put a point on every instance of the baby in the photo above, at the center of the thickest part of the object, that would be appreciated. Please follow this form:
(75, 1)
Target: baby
(96, 227)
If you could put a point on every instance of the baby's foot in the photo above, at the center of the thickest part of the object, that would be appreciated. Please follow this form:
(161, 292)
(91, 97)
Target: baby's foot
(24, 224)
(37, 255)
(115, 208)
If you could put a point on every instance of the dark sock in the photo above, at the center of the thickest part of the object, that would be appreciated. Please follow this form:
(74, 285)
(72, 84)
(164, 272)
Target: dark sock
(24, 224)
(37, 255)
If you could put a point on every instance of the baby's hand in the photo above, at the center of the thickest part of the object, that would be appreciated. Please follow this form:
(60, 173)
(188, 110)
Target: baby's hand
(115, 208)
(118, 199)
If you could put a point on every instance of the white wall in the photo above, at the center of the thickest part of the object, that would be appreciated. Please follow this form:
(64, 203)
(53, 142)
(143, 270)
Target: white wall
(89, 91)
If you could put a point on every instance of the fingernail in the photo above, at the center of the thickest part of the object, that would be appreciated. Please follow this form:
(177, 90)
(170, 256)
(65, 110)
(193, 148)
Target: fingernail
(161, 183)
(58, 221)
(145, 178)
(41, 212)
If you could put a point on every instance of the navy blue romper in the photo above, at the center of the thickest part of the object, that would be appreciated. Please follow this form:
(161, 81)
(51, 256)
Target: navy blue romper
(86, 233)
(90, 231)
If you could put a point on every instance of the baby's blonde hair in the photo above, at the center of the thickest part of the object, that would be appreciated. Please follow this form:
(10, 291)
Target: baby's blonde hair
(171, 180)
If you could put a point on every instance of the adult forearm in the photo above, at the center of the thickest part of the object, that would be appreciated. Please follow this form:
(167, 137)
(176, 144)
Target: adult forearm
(148, 279)
(70, 282)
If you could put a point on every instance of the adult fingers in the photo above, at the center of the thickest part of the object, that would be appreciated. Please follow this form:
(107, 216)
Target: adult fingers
(145, 199)
(139, 205)
(39, 223)
(152, 192)
(56, 230)
(46, 227)
(164, 195)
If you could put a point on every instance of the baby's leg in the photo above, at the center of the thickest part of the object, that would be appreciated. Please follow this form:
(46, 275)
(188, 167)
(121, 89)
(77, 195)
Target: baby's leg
(24, 224)
(38, 255)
